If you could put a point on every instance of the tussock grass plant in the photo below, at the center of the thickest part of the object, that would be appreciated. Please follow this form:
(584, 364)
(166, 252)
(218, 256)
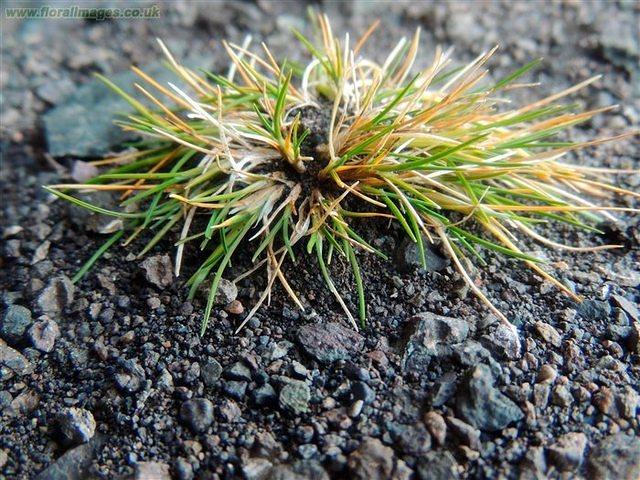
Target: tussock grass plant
(270, 151)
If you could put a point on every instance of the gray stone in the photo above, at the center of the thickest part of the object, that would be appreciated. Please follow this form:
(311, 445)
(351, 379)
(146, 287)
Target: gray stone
(471, 353)
(210, 371)
(504, 341)
(95, 222)
(81, 171)
(628, 402)
(127, 382)
(183, 469)
(76, 425)
(53, 91)
(483, 405)
(434, 336)
(158, 270)
(329, 342)
(23, 404)
(548, 333)
(130, 380)
(75, 463)
(307, 470)
(594, 310)
(165, 380)
(533, 465)
(5, 399)
(256, 468)
(561, 396)
(618, 40)
(238, 371)
(541, 393)
(411, 439)
(197, 414)
(442, 390)
(362, 391)
(264, 395)
(294, 397)
(82, 124)
(469, 435)
(229, 410)
(298, 370)
(438, 465)
(436, 426)
(235, 389)
(15, 322)
(226, 293)
(151, 471)
(43, 335)
(371, 461)
(616, 457)
(308, 450)
(628, 306)
(409, 258)
(56, 296)
(280, 349)
(568, 451)
(13, 362)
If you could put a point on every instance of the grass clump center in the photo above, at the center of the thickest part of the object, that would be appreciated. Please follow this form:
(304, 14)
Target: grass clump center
(270, 151)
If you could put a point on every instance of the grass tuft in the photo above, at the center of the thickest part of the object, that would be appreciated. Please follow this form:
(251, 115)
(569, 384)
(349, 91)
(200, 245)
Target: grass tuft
(441, 152)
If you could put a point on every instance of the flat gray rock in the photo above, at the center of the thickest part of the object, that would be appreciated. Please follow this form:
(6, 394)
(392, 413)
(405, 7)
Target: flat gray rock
(82, 124)
(483, 405)
(74, 464)
(329, 342)
(433, 336)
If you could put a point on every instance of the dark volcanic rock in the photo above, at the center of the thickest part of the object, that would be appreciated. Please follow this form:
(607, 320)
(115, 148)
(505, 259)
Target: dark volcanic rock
(130, 380)
(442, 390)
(56, 296)
(568, 451)
(75, 463)
(483, 405)
(433, 336)
(615, 457)
(504, 341)
(409, 258)
(628, 306)
(197, 414)
(43, 335)
(151, 471)
(226, 292)
(210, 372)
(412, 439)
(264, 395)
(294, 397)
(362, 391)
(76, 425)
(238, 371)
(438, 465)
(594, 310)
(158, 270)
(235, 389)
(15, 322)
(13, 362)
(330, 341)
(371, 461)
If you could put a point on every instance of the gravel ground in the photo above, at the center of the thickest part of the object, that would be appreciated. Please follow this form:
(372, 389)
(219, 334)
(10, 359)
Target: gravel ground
(109, 378)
